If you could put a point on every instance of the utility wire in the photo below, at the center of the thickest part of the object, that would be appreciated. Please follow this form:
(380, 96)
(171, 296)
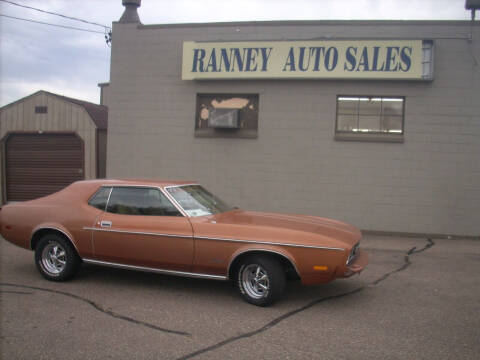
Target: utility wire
(56, 14)
(45, 23)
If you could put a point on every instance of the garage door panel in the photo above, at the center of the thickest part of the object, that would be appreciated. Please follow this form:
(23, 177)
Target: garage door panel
(41, 164)
(31, 160)
(42, 175)
(46, 144)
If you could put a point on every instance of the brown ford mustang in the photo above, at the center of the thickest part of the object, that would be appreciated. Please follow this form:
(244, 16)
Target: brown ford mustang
(181, 229)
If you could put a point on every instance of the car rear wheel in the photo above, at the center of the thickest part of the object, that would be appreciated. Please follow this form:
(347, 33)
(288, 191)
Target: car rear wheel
(261, 280)
(56, 259)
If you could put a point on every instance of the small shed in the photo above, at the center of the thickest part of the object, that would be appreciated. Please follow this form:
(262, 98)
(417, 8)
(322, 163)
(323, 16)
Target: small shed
(49, 141)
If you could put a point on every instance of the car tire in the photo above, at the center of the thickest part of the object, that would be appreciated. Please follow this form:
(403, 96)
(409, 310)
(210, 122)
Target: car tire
(56, 259)
(261, 280)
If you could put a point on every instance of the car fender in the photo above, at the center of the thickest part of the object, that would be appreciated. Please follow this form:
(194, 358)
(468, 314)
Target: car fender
(56, 227)
(266, 249)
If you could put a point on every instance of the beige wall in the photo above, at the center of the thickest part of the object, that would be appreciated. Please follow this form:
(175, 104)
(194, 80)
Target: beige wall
(61, 116)
(104, 93)
(428, 184)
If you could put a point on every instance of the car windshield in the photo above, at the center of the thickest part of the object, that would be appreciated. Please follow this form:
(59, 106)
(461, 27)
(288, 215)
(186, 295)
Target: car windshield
(196, 201)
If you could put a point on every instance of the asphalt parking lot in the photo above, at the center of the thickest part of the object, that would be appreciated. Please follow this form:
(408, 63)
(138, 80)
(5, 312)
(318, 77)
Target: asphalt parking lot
(417, 299)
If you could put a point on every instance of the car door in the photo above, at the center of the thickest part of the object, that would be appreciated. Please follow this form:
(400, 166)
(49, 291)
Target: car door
(141, 227)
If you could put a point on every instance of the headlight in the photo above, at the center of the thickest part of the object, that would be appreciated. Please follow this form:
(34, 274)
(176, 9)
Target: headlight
(353, 253)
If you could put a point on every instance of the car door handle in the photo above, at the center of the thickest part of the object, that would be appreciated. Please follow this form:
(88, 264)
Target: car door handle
(106, 224)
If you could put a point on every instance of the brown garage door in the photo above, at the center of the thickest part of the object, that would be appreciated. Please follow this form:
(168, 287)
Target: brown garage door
(40, 164)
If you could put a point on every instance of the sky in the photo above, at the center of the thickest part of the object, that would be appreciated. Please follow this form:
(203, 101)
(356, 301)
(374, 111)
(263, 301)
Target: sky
(71, 62)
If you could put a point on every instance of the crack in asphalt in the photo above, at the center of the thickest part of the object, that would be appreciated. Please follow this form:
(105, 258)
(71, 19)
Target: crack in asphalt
(97, 307)
(407, 262)
(15, 292)
(289, 314)
(269, 325)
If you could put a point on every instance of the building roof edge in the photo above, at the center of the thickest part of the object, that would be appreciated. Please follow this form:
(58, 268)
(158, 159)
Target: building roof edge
(314, 22)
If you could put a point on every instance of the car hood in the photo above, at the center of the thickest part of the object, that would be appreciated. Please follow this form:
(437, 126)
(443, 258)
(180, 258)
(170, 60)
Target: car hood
(337, 231)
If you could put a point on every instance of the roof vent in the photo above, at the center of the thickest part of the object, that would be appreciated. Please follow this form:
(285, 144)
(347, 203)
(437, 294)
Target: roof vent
(130, 14)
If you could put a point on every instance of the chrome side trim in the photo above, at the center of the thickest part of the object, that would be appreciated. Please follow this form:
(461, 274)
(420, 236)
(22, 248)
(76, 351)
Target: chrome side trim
(137, 232)
(270, 243)
(217, 239)
(57, 229)
(263, 250)
(155, 270)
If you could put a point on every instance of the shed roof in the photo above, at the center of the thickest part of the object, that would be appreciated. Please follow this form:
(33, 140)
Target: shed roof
(98, 113)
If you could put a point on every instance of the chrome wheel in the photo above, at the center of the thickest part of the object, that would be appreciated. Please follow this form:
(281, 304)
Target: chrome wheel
(255, 281)
(54, 258)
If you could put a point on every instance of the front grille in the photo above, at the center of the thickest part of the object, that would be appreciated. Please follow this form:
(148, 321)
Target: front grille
(353, 253)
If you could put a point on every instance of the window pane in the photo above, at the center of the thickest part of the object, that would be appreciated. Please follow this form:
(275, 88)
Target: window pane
(348, 106)
(392, 106)
(372, 106)
(41, 109)
(370, 114)
(157, 204)
(392, 124)
(196, 201)
(369, 123)
(99, 200)
(347, 123)
(140, 201)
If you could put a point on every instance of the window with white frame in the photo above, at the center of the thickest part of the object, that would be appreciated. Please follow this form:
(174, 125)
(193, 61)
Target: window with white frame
(358, 116)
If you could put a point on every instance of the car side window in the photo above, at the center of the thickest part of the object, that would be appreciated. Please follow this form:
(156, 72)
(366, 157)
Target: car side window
(99, 200)
(140, 201)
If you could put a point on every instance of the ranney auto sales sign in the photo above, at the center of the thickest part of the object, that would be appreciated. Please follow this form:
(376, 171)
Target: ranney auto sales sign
(366, 59)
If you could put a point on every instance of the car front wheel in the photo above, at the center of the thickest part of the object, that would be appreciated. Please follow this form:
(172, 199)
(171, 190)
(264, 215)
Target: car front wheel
(56, 259)
(261, 280)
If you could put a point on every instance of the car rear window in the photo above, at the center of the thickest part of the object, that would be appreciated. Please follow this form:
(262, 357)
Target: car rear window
(99, 200)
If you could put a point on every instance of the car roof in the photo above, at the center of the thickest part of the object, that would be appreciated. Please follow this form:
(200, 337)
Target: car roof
(139, 182)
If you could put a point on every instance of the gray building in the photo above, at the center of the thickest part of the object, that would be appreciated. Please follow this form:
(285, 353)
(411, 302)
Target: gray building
(375, 123)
